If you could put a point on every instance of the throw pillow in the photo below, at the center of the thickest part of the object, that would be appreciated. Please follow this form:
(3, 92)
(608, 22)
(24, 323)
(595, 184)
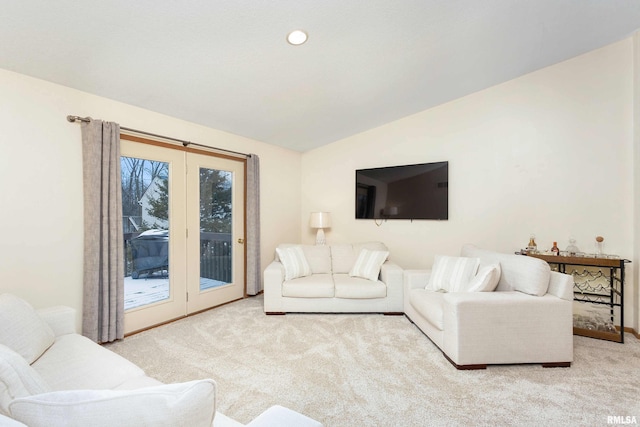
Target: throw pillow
(10, 422)
(368, 264)
(518, 273)
(189, 404)
(22, 329)
(294, 262)
(486, 280)
(452, 274)
(17, 379)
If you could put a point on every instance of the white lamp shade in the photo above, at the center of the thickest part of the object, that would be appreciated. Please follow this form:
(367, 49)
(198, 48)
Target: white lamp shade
(320, 220)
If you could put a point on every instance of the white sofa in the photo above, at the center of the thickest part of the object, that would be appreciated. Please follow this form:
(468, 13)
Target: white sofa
(51, 376)
(329, 287)
(527, 319)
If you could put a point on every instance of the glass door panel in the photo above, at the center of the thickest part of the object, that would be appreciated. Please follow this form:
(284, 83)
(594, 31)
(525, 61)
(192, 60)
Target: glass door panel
(145, 214)
(216, 216)
(153, 180)
(216, 267)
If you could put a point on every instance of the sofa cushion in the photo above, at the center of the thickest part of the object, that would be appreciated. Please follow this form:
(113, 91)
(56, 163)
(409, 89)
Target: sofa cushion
(76, 362)
(368, 264)
(315, 286)
(357, 287)
(318, 257)
(294, 262)
(485, 280)
(138, 382)
(518, 272)
(17, 379)
(429, 304)
(22, 329)
(343, 256)
(185, 404)
(452, 274)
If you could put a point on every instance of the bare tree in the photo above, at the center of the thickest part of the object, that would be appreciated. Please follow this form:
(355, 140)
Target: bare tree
(137, 176)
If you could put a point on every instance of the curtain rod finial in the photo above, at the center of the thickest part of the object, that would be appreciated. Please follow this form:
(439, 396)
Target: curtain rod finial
(73, 119)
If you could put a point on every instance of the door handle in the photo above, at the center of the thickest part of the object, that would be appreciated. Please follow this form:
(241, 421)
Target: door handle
(241, 241)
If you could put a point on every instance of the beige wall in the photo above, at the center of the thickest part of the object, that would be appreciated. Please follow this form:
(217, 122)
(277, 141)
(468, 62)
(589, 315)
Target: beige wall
(41, 183)
(550, 153)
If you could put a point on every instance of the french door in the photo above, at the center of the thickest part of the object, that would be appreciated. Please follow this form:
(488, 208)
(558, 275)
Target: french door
(215, 224)
(183, 215)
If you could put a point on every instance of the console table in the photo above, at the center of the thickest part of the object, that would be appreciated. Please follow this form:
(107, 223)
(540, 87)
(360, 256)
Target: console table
(598, 281)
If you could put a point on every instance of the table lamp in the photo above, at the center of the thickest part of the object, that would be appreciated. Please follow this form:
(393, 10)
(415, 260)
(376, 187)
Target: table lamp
(320, 220)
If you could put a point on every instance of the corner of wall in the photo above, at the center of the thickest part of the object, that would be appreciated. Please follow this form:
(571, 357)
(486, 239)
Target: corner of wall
(636, 179)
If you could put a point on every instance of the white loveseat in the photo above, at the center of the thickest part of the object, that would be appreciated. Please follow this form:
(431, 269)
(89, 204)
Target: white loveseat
(51, 376)
(527, 319)
(335, 281)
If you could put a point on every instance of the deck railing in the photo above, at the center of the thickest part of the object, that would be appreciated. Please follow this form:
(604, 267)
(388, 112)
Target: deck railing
(215, 255)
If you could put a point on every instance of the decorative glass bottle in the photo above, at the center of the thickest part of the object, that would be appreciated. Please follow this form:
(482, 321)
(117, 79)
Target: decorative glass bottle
(572, 249)
(599, 246)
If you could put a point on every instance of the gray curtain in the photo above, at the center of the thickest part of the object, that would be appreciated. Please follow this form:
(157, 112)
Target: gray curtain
(254, 270)
(103, 303)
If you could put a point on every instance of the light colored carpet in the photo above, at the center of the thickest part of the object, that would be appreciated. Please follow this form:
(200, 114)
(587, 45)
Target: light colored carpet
(375, 370)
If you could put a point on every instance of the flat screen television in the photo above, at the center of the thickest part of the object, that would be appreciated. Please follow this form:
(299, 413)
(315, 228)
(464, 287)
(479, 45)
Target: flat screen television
(403, 192)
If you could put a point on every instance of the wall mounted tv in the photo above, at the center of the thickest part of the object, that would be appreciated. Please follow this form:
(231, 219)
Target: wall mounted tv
(403, 192)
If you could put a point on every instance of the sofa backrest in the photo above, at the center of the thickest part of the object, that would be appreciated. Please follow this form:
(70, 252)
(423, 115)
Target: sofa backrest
(519, 273)
(344, 256)
(338, 258)
(318, 257)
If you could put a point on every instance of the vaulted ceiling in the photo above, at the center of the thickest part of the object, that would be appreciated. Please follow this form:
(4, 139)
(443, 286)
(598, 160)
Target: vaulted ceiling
(226, 64)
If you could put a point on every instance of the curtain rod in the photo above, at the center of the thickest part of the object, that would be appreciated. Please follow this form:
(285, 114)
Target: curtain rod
(73, 119)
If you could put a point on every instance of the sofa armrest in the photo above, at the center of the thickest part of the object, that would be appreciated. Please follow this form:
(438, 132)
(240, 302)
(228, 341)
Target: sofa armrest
(561, 285)
(279, 416)
(61, 319)
(413, 279)
(488, 311)
(273, 279)
(525, 328)
(274, 273)
(391, 274)
(416, 278)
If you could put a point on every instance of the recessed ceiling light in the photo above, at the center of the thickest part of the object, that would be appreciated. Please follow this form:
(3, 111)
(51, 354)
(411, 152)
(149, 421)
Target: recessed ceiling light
(297, 37)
